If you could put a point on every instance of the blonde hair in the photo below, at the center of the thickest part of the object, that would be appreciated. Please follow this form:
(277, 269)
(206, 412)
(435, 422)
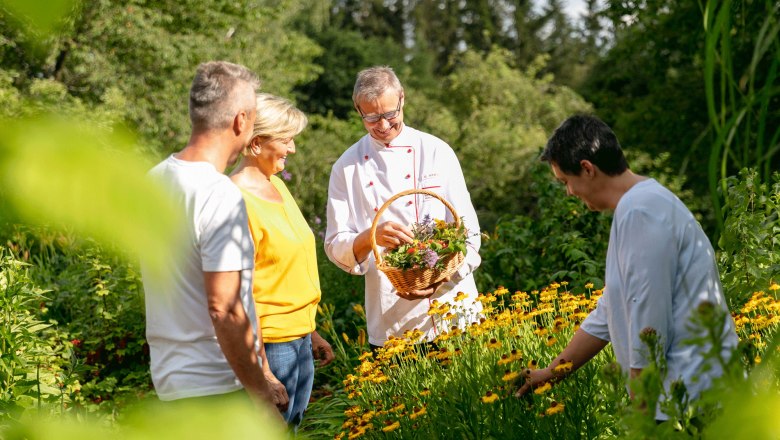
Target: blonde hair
(277, 118)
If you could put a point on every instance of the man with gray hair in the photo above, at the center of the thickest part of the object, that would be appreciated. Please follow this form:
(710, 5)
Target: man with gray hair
(394, 157)
(200, 315)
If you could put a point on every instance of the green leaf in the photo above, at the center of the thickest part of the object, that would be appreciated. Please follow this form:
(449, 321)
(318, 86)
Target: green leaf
(40, 16)
(73, 174)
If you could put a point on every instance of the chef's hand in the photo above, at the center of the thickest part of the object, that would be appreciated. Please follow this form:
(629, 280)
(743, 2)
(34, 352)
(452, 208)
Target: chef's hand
(391, 235)
(423, 293)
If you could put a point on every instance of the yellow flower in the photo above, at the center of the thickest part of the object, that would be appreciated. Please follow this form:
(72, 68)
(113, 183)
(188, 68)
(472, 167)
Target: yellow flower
(589, 286)
(338, 436)
(501, 291)
(425, 392)
(346, 338)
(551, 341)
(489, 397)
(543, 388)
(540, 331)
(461, 296)
(365, 355)
(417, 412)
(494, 343)
(391, 426)
(358, 308)
(510, 376)
(554, 408)
(505, 359)
(399, 407)
(563, 367)
(564, 283)
(757, 359)
(532, 364)
(443, 354)
(774, 286)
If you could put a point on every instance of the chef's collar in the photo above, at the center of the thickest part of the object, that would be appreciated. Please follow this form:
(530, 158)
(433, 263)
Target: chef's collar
(399, 141)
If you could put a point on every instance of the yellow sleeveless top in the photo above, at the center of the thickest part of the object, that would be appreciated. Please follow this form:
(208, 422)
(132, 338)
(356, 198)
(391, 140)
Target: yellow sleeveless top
(286, 285)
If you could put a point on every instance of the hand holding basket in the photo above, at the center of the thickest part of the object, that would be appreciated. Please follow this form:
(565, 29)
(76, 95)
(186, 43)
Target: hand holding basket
(420, 277)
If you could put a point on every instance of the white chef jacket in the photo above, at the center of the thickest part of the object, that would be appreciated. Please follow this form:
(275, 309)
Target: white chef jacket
(364, 177)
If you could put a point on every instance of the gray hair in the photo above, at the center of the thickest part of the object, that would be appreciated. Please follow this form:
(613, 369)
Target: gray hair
(373, 82)
(220, 90)
(277, 118)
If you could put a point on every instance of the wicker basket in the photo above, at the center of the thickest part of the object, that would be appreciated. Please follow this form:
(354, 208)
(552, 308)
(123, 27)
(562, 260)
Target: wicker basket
(408, 280)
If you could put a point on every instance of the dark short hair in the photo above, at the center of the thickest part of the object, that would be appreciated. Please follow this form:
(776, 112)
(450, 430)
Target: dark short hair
(585, 137)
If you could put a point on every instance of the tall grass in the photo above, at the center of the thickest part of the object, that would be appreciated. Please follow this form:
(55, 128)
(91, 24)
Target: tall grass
(740, 74)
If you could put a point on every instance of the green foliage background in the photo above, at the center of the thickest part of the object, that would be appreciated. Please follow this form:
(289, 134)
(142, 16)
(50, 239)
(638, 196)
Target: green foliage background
(94, 93)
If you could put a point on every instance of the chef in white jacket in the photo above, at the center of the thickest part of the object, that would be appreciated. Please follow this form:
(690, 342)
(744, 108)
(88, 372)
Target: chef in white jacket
(392, 158)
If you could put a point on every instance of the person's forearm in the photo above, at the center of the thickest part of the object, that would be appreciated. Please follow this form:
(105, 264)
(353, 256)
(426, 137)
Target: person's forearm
(233, 329)
(362, 246)
(581, 348)
(234, 334)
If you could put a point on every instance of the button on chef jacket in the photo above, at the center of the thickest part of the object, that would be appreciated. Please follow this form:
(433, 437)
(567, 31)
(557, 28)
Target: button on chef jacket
(368, 174)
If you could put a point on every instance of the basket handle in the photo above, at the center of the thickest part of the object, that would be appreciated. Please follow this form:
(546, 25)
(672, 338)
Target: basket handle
(372, 235)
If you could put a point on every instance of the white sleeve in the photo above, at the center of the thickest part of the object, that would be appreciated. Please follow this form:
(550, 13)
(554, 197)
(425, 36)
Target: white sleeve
(647, 259)
(457, 193)
(595, 324)
(225, 241)
(341, 228)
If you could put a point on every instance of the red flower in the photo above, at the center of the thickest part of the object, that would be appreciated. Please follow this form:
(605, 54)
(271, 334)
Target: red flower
(75, 342)
(411, 250)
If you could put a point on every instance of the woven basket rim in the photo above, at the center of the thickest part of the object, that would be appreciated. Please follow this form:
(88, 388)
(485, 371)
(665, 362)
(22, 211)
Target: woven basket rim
(396, 275)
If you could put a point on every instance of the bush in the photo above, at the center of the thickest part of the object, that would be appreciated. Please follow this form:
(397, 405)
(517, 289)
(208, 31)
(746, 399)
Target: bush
(94, 301)
(529, 250)
(32, 354)
(749, 256)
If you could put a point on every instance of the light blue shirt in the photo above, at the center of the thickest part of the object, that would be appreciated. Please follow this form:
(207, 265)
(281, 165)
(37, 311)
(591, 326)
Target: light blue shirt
(660, 268)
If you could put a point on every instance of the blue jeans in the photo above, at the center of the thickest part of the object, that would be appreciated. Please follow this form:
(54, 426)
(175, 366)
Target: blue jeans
(292, 363)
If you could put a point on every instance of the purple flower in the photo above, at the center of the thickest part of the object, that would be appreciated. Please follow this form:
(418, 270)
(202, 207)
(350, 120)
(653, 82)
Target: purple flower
(430, 258)
(317, 220)
(426, 220)
(286, 175)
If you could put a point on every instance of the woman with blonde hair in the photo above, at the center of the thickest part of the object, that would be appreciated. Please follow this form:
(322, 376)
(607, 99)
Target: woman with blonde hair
(286, 286)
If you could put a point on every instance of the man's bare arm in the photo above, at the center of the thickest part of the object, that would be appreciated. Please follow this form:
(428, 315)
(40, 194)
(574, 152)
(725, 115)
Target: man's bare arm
(234, 332)
(580, 349)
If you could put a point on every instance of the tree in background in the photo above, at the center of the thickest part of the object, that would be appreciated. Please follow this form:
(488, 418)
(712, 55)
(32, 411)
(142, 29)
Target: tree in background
(705, 95)
(144, 53)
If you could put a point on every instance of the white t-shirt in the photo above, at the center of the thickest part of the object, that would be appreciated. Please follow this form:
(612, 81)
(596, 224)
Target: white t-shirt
(660, 268)
(364, 177)
(186, 359)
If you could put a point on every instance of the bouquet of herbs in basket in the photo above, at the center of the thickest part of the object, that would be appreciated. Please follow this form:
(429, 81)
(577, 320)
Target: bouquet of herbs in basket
(434, 241)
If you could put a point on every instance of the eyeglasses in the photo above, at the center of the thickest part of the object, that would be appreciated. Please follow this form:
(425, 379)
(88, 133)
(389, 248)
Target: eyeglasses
(387, 116)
